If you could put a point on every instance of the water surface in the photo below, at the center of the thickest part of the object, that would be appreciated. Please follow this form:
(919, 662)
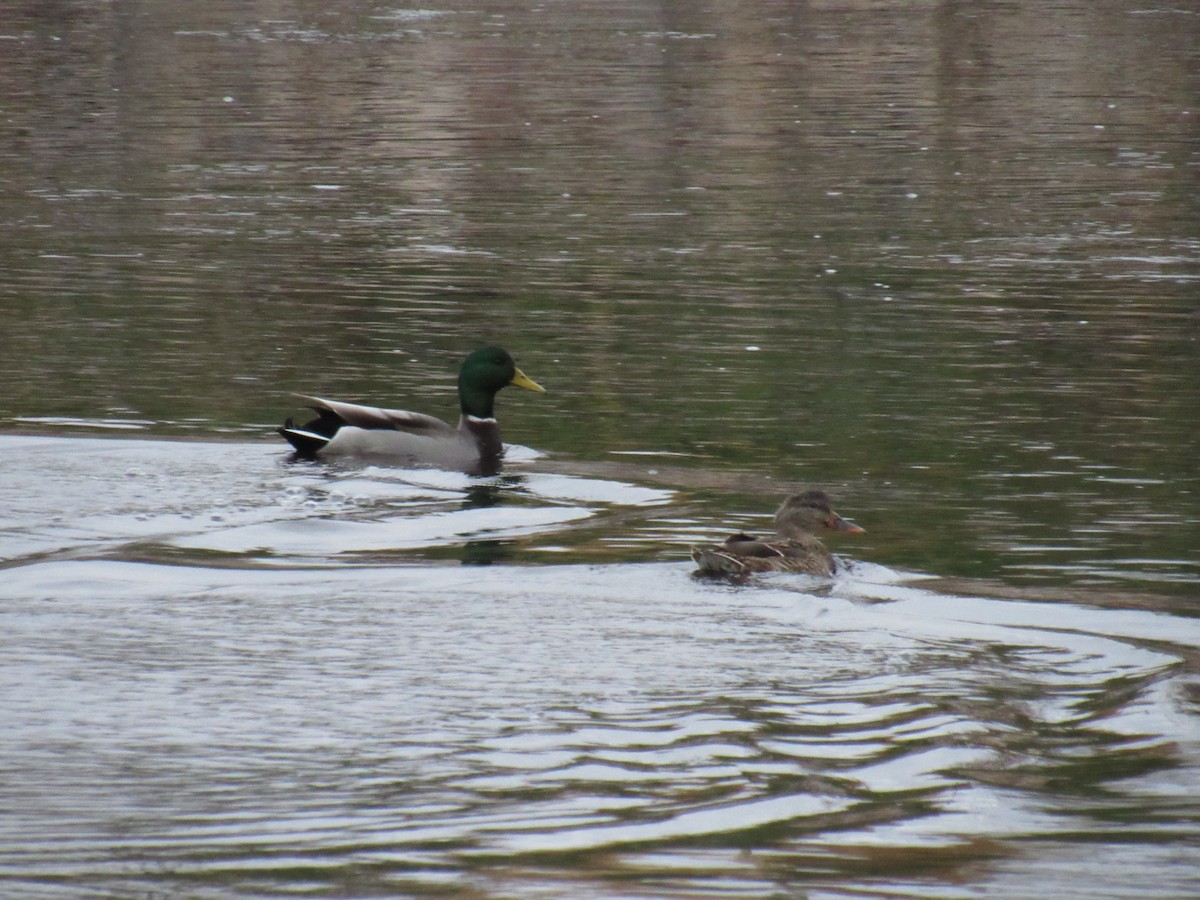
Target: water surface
(225, 672)
(940, 260)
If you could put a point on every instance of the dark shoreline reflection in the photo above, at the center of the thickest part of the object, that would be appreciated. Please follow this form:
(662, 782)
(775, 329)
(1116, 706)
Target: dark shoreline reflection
(941, 261)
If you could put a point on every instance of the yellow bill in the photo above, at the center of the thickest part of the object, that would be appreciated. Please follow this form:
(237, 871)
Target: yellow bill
(522, 380)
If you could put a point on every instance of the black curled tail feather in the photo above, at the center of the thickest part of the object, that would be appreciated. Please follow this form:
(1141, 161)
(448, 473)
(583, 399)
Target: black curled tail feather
(309, 439)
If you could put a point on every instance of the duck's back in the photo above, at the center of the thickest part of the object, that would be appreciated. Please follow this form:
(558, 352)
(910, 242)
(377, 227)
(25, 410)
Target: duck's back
(348, 429)
(741, 555)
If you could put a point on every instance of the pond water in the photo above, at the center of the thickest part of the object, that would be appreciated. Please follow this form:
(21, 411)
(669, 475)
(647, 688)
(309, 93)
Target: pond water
(941, 260)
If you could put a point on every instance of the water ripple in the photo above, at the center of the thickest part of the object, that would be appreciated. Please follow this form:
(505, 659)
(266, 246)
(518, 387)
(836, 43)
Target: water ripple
(343, 718)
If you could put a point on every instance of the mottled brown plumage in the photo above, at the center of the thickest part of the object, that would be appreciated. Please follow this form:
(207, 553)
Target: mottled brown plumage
(794, 548)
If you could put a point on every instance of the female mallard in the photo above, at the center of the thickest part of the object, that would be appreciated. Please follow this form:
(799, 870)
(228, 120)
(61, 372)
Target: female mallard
(342, 429)
(796, 549)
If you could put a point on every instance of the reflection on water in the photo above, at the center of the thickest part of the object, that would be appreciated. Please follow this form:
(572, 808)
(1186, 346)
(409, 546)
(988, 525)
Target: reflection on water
(941, 261)
(374, 729)
(227, 672)
(946, 260)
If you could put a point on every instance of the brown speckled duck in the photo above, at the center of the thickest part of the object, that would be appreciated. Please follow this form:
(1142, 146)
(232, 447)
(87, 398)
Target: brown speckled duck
(794, 548)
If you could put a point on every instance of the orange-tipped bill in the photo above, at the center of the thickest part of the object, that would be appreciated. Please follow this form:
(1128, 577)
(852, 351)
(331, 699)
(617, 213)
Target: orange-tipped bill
(837, 523)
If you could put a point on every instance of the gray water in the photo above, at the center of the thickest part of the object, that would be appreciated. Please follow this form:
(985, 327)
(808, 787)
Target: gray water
(940, 260)
(225, 674)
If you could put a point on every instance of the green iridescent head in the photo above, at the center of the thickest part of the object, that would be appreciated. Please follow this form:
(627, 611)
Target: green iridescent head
(484, 373)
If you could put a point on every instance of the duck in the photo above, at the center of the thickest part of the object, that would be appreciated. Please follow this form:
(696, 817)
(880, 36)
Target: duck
(795, 548)
(350, 430)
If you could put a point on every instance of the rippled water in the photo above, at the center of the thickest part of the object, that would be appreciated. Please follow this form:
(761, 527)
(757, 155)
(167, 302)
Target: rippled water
(223, 673)
(940, 260)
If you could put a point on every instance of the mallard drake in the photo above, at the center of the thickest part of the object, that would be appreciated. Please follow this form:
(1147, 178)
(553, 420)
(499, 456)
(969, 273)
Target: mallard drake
(347, 429)
(794, 549)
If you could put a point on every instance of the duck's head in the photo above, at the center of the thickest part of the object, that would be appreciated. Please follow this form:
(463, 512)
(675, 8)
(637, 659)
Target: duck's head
(808, 513)
(483, 374)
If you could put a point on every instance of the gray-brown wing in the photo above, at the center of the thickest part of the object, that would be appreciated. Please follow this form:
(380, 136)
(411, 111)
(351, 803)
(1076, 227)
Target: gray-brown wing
(744, 545)
(376, 417)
